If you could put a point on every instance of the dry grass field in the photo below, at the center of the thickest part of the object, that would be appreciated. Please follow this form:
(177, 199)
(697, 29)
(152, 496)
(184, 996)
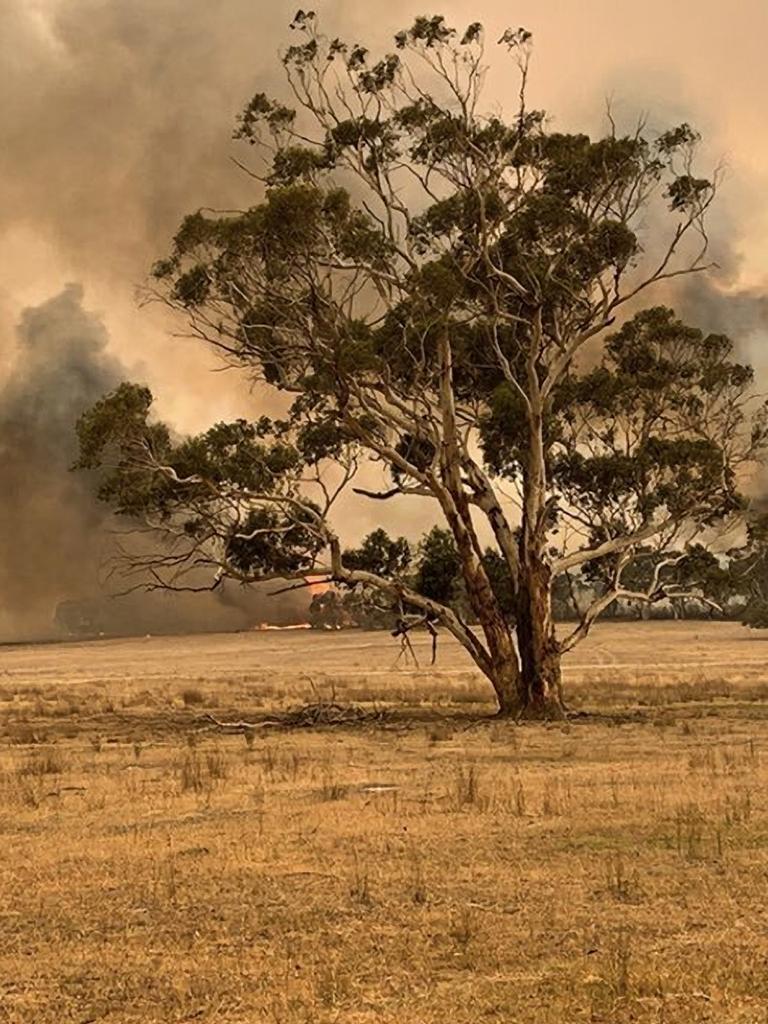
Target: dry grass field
(422, 864)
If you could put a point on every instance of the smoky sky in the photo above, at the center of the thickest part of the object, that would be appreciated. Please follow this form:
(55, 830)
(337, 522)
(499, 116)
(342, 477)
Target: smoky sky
(57, 542)
(116, 115)
(116, 119)
(121, 117)
(51, 529)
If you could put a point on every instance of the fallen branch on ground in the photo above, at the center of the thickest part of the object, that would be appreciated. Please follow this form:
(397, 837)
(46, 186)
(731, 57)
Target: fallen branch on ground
(306, 716)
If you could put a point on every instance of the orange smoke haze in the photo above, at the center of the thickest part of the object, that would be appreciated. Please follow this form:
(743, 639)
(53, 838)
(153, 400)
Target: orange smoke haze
(122, 111)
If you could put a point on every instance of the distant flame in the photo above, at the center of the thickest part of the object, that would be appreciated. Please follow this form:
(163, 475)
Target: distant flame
(298, 625)
(315, 585)
(318, 585)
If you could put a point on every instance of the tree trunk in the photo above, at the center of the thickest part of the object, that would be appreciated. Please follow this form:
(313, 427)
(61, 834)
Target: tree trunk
(539, 688)
(539, 685)
(505, 677)
(499, 661)
(502, 668)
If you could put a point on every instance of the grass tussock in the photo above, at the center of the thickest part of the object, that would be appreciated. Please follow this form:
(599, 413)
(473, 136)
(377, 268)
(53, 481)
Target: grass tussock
(44, 760)
(201, 771)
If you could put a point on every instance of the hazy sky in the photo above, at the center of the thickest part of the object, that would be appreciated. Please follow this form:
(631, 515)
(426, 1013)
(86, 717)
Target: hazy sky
(116, 118)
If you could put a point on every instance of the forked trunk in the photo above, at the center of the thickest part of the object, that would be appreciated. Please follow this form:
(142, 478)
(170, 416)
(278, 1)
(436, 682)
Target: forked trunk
(499, 659)
(539, 690)
(539, 685)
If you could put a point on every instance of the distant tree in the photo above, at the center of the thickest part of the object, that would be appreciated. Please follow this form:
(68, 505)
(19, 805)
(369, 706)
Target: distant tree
(424, 278)
(438, 572)
(708, 579)
(439, 575)
(381, 555)
(692, 577)
(571, 595)
(433, 569)
(748, 573)
(365, 607)
(327, 611)
(501, 581)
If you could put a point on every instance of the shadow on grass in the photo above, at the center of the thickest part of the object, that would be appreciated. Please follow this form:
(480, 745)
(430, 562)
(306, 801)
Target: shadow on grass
(132, 724)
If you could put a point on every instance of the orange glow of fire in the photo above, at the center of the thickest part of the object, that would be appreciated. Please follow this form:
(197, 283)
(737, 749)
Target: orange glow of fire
(317, 585)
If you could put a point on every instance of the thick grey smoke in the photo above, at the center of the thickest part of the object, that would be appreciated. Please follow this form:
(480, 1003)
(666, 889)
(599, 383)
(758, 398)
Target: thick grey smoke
(50, 525)
(123, 112)
(123, 127)
(718, 306)
(56, 540)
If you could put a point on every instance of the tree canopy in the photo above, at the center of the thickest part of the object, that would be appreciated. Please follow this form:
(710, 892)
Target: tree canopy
(455, 294)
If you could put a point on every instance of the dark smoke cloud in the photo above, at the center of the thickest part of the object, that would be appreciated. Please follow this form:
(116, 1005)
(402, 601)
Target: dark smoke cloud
(56, 540)
(126, 123)
(50, 526)
(116, 122)
(720, 306)
(125, 126)
(717, 304)
(716, 300)
(120, 123)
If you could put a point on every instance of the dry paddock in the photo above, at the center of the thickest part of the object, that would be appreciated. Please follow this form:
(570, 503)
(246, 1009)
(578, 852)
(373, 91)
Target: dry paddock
(423, 864)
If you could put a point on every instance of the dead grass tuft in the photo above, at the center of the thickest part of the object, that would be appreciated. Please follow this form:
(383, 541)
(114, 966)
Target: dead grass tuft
(47, 760)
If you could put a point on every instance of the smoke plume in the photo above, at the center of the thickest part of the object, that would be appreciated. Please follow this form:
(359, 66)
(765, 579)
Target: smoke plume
(50, 525)
(722, 307)
(56, 540)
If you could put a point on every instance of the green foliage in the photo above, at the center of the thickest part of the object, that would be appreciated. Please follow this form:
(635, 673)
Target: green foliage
(379, 554)
(433, 570)
(748, 572)
(646, 432)
(438, 575)
(115, 433)
(501, 582)
(271, 543)
(693, 571)
(182, 484)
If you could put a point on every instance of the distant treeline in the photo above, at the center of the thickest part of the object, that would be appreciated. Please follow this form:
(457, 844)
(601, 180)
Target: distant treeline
(692, 583)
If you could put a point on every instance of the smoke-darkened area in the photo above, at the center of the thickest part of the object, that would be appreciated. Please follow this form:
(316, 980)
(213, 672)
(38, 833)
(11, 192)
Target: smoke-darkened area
(51, 529)
(123, 113)
(741, 313)
(123, 126)
(57, 543)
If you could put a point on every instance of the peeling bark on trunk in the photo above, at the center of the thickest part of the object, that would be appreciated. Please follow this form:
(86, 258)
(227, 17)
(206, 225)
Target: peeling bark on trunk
(503, 668)
(505, 677)
(500, 663)
(539, 688)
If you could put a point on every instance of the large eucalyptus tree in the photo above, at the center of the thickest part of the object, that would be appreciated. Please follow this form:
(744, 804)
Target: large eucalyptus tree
(456, 294)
